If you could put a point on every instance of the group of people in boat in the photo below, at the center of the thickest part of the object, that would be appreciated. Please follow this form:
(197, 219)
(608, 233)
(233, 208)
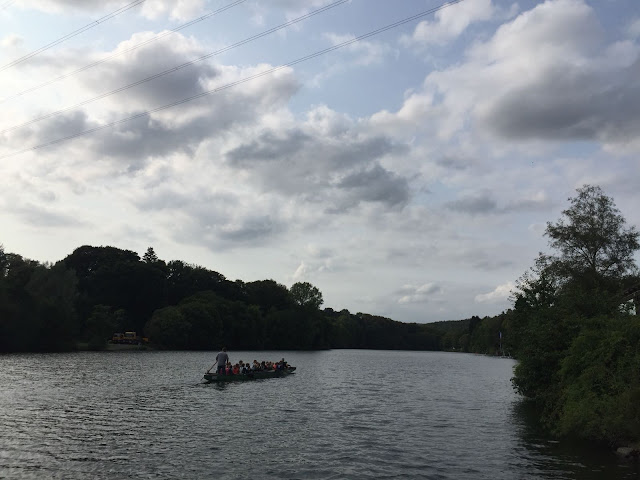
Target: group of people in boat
(224, 367)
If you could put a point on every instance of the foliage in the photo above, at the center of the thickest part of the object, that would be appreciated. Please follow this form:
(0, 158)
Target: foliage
(182, 306)
(36, 305)
(114, 277)
(592, 240)
(362, 330)
(569, 328)
(96, 291)
(150, 256)
(100, 325)
(306, 295)
(488, 335)
(600, 383)
(168, 328)
(268, 295)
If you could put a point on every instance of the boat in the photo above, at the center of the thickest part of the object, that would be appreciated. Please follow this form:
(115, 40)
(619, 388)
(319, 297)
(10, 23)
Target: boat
(253, 375)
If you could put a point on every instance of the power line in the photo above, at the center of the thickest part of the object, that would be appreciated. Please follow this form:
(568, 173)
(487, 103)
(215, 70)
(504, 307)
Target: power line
(72, 34)
(179, 67)
(233, 84)
(122, 52)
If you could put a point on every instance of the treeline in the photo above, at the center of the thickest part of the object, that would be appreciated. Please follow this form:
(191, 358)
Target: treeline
(487, 335)
(96, 291)
(574, 327)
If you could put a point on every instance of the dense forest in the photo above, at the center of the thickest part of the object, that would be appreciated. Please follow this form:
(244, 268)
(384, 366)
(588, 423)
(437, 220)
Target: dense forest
(96, 291)
(573, 326)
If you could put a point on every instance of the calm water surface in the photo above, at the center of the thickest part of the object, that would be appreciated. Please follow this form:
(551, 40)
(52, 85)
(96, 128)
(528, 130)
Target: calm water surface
(348, 414)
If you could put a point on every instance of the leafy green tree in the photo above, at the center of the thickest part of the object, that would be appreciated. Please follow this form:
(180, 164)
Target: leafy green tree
(268, 295)
(19, 319)
(203, 312)
(555, 302)
(169, 329)
(284, 330)
(37, 305)
(54, 291)
(184, 280)
(306, 295)
(104, 278)
(345, 330)
(115, 277)
(600, 383)
(592, 238)
(100, 326)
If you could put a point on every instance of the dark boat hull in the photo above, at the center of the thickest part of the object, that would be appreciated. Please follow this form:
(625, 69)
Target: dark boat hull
(257, 375)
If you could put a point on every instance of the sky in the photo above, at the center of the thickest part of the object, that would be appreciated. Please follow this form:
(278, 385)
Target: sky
(409, 174)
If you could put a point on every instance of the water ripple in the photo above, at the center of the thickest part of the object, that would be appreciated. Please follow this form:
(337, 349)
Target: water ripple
(344, 414)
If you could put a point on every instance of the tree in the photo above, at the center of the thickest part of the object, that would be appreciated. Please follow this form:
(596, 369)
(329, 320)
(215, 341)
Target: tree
(306, 295)
(36, 305)
(150, 256)
(600, 383)
(100, 325)
(592, 238)
(169, 329)
(184, 280)
(202, 311)
(4, 264)
(559, 303)
(104, 278)
(268, 295)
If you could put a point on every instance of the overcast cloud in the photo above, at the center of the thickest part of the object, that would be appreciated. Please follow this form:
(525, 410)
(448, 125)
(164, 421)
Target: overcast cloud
(408, 175)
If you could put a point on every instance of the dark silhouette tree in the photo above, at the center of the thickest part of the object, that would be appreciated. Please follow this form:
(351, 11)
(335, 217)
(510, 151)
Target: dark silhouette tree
(306, 295)
(592, 238)
(150, 256)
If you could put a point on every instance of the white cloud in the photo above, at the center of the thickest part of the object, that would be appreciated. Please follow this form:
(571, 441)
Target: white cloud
(174, 9)
(449, 23)
(11, 41)
(419, 294)
(152, 9)
(300, 272)
(364, 52)
(548, 75)
(327, 161)
(500, 294)
(358, 54)
(454, 176)
(180, 129)
(633, 29)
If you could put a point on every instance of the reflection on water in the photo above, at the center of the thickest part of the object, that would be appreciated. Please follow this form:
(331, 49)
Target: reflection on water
(344, 414)
(572, 458)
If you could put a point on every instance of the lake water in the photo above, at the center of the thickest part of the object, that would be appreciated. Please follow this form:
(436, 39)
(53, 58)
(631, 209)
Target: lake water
(345, 414)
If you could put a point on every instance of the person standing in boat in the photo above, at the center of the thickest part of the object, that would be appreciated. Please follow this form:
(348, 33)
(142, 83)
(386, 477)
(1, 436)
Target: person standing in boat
(221, 362)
